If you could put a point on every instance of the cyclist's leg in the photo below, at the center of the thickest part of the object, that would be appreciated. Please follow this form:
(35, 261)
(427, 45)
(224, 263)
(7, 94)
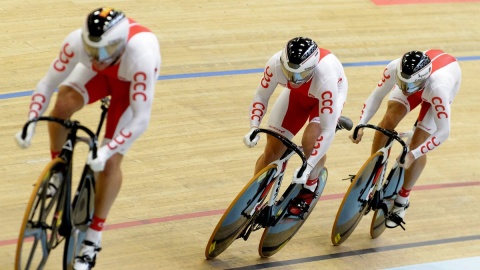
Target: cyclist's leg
(398, 107)
(273, 150)
(425, 127)
(425, 122)
(109, 181)
(395, 113)
(288, 115)
(310, 145)
(108, 185)
(310, 136)
(68, 102)
(413, 172)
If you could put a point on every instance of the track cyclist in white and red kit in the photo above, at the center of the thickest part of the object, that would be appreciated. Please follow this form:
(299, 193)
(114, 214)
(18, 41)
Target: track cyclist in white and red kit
(430, 79)
(314, 90)
(111, 55)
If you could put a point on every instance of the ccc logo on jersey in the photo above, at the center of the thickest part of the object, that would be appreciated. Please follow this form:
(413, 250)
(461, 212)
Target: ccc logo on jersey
(63, 58)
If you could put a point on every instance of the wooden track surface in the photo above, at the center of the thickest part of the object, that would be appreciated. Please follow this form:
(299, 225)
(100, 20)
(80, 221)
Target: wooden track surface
(189, 165)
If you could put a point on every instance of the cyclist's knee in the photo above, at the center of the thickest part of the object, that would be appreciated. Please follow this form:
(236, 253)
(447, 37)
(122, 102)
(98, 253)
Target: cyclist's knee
(270, 155)
(310, 135)
(395, 113)
(68, 102)
(113, 164)
(273, 151)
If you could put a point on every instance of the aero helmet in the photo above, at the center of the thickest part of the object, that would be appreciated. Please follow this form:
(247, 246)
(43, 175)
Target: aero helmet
(298, 59)
(104, 34)
(413, 70)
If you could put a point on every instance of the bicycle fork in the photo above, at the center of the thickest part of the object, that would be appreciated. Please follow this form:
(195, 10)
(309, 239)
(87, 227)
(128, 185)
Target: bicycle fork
(374, 195)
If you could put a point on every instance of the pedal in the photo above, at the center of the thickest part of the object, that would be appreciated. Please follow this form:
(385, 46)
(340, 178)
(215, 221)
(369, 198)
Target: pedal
(396, 219)
(350, 177)
(302, 206)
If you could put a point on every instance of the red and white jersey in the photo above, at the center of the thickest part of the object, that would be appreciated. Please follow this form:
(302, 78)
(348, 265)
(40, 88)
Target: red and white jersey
(328, 84)
(138, 67)
(439, 92)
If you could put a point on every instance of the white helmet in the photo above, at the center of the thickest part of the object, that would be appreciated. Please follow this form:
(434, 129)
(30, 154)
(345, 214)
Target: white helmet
(105, 34)
(299, 59)
(413, 70)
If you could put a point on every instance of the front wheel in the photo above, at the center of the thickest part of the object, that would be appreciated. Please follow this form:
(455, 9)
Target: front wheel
(276, 237)
(82, 214)
(356, 201)
(240, 212)
(41, 221)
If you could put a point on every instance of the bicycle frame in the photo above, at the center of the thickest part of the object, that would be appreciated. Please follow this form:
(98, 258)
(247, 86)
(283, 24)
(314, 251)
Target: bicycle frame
(375, 194)
(265, 217)
(65, 221)
(282, 164)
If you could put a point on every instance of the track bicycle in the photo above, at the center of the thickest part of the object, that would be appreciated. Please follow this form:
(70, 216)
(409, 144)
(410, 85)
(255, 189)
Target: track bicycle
(251, 210)
(369, 189)
(50, 219)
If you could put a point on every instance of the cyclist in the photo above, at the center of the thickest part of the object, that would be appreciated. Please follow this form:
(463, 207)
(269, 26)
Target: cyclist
(111, 55)
(430, 79)
(314, 89)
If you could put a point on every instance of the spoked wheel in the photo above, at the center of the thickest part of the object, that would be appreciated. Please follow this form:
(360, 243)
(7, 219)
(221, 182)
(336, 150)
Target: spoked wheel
(391, 187)
(356, 201)
(276, 237)
(41, 221)
(82, 213)
(240, 213)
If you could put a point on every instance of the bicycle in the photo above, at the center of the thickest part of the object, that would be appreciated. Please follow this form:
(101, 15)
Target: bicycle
(50, 219)
(369, 190)
(251, 211)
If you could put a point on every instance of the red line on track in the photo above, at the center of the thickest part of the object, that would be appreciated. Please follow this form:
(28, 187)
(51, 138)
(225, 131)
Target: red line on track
(326, 197)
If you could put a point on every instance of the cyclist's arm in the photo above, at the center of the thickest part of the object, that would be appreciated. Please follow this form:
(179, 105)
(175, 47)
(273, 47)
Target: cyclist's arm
(142, 87)
(59, 69)
(329, 112)
(384, 86)
(440, 107)
(265, 89)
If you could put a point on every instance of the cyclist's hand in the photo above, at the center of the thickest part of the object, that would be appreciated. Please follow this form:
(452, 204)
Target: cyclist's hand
(98, 164)
(246, 139)
(359, 136)
(303, 178)
(409, 159)
(24, 143)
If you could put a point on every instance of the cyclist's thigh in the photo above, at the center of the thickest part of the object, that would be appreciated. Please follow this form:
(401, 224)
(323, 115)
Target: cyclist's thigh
(274, 149)
(419, 137)
(290, 112)
(310, 138)
(88, 83)
(69, 100)
(425, 126)
(409, 102)
(119, 111)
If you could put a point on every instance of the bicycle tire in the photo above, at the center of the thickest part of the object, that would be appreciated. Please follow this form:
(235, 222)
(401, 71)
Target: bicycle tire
(352, 208)
(40, 224)
(391, 187)
(233, 221)
(82, 213)
(276, 237)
